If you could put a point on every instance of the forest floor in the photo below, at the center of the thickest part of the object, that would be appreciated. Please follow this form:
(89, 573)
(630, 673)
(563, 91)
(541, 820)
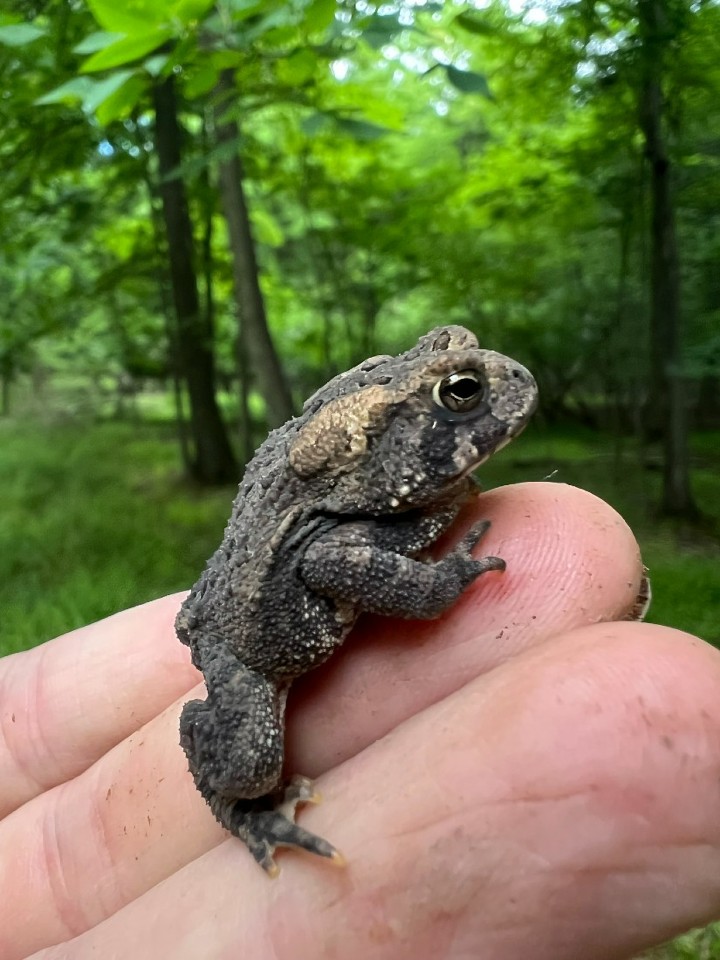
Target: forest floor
(97, 517)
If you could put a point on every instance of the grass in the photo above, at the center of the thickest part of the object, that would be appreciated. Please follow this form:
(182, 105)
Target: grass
(697, 945)
(97, 517)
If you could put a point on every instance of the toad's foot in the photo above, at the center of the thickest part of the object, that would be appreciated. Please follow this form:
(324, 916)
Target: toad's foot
(263, 831)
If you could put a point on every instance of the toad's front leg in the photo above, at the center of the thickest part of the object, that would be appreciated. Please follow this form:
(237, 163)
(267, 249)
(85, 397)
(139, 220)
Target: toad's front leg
(234, 745)
(351, 563)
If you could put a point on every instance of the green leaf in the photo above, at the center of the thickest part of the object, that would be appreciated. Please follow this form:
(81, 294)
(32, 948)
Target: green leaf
(189, 169)
(120, 104)
(316, 123)
(188, 11)
(241, 9)
(380, 29)
(267, 229)
(321, 122)
(320, 14)
(131, 17)
(217, 23)
(154, 65)
(200, 81)
(102, 89)
(296, 69)
(281, 18)
(97, 41)
(18, 34)
(222, 59)
(467, 81)
(362, 129)
(475, 24)
(76, 89)
(126, 50)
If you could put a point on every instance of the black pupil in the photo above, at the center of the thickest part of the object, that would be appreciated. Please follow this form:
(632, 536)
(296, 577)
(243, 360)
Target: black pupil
(460, 393)
(463, 390)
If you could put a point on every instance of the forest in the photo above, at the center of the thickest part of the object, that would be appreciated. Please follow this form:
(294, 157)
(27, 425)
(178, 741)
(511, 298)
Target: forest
(210, 207)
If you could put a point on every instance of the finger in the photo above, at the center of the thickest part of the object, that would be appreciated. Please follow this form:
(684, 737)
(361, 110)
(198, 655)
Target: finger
(80, 851)
(571, 560)
(564, 805)
(132, 666)
(67, 702)
(96, 835)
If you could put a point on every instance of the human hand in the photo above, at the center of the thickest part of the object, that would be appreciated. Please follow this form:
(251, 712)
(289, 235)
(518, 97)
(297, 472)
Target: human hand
(521, 778)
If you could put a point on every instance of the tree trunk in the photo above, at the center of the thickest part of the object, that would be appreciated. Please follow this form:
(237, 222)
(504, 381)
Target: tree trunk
(667, 395)
(213, 460)
(708, 404)
(162, 280)
(5, 378)
(255, 341)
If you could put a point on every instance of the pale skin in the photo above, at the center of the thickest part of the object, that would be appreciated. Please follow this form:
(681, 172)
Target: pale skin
(528, 776)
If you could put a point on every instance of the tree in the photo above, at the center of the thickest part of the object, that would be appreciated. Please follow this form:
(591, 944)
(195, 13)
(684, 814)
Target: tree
(254, 340)
(660, 27)
(213, 460)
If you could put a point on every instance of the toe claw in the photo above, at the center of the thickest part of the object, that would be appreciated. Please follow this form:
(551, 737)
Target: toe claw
(476, 533)
(299, 790)
(264, 831)
(338, 859)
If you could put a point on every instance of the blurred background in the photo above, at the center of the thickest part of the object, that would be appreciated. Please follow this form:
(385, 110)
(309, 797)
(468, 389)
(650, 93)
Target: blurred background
(207, 209)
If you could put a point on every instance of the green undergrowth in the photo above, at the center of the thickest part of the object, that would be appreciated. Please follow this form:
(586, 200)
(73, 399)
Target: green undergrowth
(95, 518)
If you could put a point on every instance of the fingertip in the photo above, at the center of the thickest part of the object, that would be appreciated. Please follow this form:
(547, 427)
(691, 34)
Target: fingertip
(570, 556)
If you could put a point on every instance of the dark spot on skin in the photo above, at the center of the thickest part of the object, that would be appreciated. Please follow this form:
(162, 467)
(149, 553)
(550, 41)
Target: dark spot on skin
(667, 741)
(13, 718)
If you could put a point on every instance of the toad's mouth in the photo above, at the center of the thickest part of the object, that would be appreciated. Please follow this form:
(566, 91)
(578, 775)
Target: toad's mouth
(514, 431)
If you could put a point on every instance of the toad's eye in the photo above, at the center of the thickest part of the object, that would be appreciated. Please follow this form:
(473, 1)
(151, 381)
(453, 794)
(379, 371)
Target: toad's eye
(460, 392)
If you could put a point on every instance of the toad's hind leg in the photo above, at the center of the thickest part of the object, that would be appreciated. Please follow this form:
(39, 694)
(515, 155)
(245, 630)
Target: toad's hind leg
(234, 745)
